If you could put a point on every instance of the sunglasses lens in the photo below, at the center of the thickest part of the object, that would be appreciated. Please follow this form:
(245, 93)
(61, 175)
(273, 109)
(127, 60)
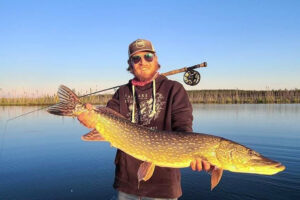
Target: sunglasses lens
(148, 57)
(135, 59)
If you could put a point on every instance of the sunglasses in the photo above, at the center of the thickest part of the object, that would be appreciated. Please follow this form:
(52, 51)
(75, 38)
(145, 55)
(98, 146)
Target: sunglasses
(148, 57)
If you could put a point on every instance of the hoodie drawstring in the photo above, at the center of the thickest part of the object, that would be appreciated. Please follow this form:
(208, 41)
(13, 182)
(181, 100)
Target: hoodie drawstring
(133, 105)
(154, 99)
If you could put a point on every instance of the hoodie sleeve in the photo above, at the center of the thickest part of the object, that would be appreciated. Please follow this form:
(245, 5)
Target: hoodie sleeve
(114, 103)
(182, 117)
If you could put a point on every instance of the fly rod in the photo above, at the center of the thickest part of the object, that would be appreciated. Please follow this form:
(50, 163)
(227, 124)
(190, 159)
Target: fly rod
(190, 77)
(169, 73)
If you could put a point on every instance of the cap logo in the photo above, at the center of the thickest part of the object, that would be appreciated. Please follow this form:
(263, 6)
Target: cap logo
(140, 44)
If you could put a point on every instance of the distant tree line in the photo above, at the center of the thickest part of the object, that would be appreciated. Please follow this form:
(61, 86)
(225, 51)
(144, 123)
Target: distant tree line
(244, 96)
(195, 96)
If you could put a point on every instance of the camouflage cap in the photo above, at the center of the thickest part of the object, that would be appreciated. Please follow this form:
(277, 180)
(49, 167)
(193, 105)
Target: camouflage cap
(140, 45)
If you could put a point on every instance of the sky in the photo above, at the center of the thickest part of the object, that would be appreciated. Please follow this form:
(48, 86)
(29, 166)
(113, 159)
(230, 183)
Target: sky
(247, 44)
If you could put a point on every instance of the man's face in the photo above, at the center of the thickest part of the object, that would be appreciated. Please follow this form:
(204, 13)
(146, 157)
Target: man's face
(144, 65)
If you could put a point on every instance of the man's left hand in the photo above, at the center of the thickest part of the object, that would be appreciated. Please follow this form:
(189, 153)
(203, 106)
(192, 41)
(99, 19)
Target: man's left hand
(200, 165)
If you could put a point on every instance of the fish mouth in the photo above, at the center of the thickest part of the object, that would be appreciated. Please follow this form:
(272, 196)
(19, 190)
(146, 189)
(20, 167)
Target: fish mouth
(280, 167)
(266, 166)
(274, 169)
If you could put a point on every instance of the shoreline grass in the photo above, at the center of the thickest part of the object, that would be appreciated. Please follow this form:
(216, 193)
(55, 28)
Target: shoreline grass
(245, 96)
(195, 96)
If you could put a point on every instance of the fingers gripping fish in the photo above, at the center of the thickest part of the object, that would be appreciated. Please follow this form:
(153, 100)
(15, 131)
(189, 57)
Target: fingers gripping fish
(165, 148)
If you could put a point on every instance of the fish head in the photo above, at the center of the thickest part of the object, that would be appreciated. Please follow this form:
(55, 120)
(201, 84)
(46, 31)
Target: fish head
(238, 158)
(259, 164)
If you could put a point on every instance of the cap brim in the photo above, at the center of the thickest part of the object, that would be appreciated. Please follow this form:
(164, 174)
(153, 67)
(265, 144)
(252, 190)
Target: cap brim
(147, 50)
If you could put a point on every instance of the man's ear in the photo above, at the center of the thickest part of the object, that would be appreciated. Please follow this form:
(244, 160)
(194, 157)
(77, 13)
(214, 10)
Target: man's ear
(129, 66)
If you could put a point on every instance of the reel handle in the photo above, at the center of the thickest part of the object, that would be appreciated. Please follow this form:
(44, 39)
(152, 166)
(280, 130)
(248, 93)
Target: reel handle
(176, 71)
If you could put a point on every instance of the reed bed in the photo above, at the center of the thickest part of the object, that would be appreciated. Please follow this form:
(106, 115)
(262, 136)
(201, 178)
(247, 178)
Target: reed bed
(195, 96)
(50, 100)
(244, 96)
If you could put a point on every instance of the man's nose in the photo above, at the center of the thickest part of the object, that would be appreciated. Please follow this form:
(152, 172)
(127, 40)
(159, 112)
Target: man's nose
(141, 61)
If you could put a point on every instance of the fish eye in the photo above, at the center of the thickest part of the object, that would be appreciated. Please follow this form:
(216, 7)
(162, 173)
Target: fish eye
(253, 153)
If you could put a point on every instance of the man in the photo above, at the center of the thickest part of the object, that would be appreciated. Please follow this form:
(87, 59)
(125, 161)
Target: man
(151, 100)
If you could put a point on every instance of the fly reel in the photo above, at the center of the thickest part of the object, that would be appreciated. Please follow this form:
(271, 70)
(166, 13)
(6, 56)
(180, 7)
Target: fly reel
(191, 77)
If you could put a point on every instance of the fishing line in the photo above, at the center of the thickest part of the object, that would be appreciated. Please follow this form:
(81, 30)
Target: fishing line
(3, 139)
(27, 113)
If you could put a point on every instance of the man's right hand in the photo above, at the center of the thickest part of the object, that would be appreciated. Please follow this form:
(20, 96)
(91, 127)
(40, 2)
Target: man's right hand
(88, 119)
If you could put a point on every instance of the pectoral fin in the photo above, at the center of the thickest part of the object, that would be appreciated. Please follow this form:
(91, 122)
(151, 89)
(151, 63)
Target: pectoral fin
(94, 135)
(216, 176)
(145, 171)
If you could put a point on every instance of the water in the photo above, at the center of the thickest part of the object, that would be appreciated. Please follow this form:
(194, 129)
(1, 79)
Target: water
(43, 157)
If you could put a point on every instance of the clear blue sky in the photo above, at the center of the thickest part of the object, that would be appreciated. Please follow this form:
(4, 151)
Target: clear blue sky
(252, 44)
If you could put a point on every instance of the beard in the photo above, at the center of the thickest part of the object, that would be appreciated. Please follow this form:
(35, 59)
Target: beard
(146, 75)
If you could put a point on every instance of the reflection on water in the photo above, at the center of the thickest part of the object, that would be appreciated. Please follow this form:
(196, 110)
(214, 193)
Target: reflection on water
(42, 156)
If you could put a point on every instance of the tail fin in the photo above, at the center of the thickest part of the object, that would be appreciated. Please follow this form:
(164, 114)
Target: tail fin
(67, 102)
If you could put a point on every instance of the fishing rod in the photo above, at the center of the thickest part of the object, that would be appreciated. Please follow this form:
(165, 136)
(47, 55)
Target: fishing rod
(190, 77)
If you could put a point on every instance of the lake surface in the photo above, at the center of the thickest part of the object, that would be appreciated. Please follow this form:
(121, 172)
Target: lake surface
(43, 157)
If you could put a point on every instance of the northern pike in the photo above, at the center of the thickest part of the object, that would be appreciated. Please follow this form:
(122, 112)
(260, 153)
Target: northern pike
(166, 148)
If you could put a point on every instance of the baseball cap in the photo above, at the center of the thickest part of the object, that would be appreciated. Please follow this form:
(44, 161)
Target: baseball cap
(140, 45)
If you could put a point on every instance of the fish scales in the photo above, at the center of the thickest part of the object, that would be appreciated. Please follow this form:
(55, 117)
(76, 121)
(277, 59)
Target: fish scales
(163, 148)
